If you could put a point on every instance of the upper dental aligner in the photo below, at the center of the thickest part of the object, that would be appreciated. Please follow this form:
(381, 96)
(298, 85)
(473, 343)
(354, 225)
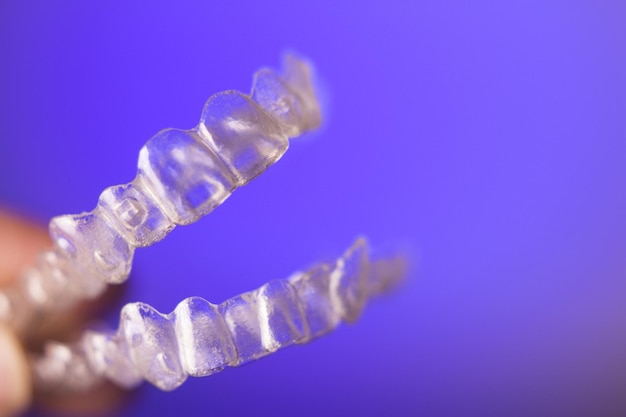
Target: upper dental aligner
(182, 176)
(199, 338)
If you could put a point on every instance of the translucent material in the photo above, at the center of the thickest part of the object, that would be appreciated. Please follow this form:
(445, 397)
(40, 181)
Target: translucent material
(184, 175)
(153, 346)
(54, 280)
(110, 356)
(289, 98)
(273, 94)
(246, 138)
(349, 281)
(313, 288)
(242, 321)
(209, 347)
(199, 338)
(134, 214)
(64, 363)
(55, 276)
(96, 247)
(282, 322)
(298, 75)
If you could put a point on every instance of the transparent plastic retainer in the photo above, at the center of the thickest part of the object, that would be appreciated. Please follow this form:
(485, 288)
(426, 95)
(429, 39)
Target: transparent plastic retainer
(182, 176)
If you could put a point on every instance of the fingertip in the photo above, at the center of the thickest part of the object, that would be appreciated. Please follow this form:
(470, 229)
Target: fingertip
(15, 389)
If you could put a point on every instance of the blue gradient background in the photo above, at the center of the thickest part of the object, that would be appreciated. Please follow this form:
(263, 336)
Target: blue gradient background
(488, 138)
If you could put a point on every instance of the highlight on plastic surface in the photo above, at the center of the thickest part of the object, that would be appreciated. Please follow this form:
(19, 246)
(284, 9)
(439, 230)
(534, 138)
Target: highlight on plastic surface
(199, 338)
(182, 175)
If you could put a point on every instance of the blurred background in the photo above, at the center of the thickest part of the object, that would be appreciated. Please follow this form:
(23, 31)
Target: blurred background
(486, 138)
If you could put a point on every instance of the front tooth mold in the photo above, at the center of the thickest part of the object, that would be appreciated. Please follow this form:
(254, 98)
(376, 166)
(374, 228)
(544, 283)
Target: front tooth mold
(282, 319)
(242, 322)
(349, 281)
(313, 289)
(204, 340)
(182, 175)
(289, 98)
(200, 339)
(247, 138)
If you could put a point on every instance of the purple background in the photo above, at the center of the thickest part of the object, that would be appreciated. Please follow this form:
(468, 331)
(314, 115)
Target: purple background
(488, 138)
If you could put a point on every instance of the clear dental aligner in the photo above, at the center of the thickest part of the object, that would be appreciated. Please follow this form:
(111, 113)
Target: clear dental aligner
(199, 338)
(182, 176)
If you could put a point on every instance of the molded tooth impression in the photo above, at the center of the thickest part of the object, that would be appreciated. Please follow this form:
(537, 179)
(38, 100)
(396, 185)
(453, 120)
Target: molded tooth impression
(289, 98)
(246, 137)
(182, 175)
(208, 345)
(93, 245)
(135, 214)
(199, 338)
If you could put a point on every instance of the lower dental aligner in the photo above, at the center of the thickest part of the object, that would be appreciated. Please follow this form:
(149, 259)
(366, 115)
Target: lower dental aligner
(199, 338)
(182, 176)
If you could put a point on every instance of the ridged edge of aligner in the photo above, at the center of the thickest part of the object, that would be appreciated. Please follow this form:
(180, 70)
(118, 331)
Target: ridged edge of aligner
(66, 246)
(263, 303)
(117, 355)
